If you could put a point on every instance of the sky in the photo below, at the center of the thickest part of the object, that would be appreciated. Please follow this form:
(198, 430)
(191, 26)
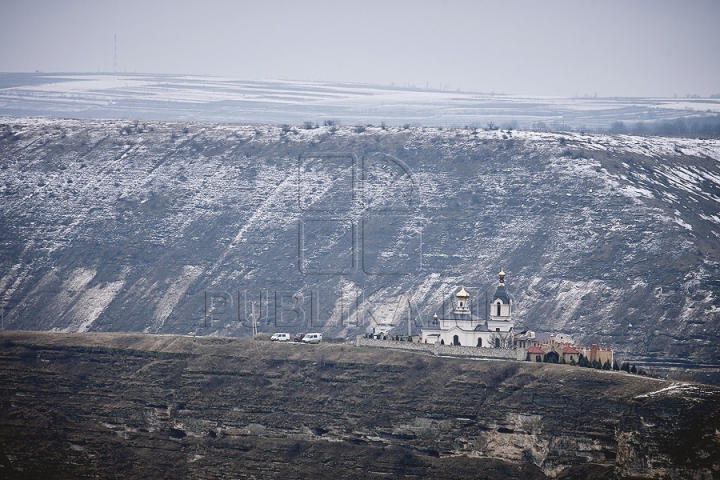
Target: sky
(545, 48)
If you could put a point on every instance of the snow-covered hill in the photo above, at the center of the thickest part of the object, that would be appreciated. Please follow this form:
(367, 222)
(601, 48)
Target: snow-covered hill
(209, 228)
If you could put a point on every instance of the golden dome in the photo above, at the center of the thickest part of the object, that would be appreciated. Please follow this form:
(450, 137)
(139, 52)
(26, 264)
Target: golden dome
(462, 293)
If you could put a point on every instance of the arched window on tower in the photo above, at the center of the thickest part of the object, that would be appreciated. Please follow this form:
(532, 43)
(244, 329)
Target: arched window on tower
(498, 309)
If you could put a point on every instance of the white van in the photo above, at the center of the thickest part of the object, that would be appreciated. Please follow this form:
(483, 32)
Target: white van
(312, 338)
(280, 337)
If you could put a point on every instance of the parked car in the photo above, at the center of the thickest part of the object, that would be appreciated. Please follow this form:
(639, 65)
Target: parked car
(299, 337)
(312, 338)
(280, 337)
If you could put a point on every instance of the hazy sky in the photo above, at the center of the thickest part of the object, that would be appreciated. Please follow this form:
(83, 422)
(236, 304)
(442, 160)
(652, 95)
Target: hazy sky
(565, 48)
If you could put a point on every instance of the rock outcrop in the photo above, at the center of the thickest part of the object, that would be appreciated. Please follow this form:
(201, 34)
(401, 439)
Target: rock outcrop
(132, 405)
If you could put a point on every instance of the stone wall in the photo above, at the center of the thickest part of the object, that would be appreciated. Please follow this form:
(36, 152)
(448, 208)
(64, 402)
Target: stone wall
(443, 350)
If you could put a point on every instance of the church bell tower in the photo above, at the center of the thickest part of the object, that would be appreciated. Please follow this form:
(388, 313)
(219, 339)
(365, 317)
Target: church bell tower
(462, 307)
(501, 305)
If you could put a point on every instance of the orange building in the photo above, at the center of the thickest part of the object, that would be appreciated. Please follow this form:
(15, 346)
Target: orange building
(601, 353)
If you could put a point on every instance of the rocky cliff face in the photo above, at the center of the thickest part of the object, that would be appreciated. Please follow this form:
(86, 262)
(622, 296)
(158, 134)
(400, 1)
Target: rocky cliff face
(646, 448)
(216, 229)
(129, 406)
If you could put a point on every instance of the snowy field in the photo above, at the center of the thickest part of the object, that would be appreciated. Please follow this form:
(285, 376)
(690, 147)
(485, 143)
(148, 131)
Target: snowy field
(216, 99)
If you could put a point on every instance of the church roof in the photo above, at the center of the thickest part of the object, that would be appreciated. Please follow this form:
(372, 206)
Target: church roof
(534, 350)
(502, 294)
(462, 293)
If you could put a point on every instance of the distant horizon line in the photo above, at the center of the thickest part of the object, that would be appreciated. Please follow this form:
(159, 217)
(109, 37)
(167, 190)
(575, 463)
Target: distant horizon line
(391, 86)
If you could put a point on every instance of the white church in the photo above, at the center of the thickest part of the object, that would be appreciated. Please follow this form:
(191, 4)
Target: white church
(460, 326)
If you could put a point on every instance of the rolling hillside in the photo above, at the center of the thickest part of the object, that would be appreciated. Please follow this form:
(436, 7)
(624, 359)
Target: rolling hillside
(209, 229)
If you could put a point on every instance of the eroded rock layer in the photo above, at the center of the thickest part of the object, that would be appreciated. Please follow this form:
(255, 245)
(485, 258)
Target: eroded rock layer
(131, 405)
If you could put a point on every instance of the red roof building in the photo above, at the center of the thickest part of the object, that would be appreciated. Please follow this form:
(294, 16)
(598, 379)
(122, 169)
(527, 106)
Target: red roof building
(570, 355)
(561, 348)
(535, 354)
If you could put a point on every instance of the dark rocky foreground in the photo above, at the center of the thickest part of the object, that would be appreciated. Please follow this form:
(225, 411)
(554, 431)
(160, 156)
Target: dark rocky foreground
(138, 406)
